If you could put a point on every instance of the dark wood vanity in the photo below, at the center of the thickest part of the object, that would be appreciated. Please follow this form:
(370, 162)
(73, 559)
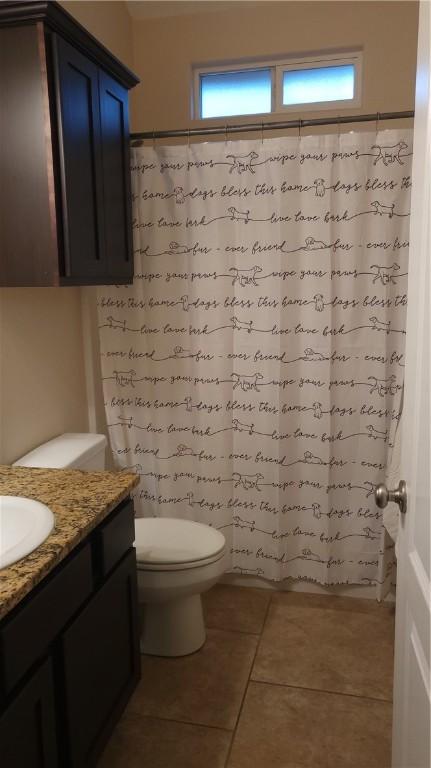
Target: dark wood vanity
(64, 156)
(69, 653)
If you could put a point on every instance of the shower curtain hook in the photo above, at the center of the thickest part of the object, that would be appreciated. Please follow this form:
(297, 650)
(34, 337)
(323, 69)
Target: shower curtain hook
(338, 131)
(377, 123)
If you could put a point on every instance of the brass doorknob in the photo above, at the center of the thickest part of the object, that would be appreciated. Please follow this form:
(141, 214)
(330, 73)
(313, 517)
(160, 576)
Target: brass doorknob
(399, 496)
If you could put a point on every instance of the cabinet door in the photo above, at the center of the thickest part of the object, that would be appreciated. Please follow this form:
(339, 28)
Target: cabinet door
(100, 655)
(114, 121)
(76, 81)
(27, 727)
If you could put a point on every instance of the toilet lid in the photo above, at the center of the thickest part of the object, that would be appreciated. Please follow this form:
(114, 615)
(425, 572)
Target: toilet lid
(168, 541)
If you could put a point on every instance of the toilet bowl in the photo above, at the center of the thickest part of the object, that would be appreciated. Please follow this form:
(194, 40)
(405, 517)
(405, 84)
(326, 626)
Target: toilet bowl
(177, 560)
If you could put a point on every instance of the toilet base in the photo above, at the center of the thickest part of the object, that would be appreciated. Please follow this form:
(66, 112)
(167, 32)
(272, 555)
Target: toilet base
(173, 628)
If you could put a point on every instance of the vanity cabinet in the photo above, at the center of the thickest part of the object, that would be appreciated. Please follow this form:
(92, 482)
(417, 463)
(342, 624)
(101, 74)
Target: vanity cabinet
(69, 653)
(66, 217)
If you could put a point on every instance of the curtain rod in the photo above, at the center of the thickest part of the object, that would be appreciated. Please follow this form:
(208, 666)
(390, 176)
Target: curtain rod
(280, 125)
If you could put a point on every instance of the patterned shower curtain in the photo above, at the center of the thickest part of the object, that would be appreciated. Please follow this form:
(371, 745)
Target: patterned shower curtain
(253, 372)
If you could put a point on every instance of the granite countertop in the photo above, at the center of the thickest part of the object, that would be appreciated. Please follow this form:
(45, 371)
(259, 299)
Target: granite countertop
(78, 500)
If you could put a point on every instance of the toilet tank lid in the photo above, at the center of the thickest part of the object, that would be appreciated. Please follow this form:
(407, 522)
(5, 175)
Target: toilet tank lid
(64, 451)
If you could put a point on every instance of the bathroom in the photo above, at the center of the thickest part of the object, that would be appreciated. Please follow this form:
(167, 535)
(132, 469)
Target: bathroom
(295, 664)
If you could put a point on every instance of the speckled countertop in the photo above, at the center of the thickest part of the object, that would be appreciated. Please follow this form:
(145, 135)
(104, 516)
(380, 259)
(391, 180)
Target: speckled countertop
(79, 502)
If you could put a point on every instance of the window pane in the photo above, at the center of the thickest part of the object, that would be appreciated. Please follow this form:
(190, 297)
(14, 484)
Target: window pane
(306, 86)
(236, 93)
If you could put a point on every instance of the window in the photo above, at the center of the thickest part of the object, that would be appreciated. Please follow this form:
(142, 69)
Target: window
(311, 86)
(236, 93)
(320, 82)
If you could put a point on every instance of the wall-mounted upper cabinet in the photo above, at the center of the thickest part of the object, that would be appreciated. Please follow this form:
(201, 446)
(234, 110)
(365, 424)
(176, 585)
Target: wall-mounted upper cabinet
(65, 210)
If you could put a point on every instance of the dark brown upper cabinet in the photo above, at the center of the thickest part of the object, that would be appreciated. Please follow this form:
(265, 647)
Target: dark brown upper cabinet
(65, 207)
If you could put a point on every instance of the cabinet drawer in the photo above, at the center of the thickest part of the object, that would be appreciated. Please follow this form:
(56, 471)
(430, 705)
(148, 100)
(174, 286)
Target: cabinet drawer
(26, 635)
(114, 537)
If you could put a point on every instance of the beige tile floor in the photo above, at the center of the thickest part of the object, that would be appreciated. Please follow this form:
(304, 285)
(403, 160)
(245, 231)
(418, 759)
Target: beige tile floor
(284, 680)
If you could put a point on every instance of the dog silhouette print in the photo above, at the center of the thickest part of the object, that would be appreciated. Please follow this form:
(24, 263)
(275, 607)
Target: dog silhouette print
(390, 153)
(242, 163)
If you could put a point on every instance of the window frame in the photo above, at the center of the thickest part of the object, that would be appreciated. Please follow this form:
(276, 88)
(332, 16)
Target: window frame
(277, 67)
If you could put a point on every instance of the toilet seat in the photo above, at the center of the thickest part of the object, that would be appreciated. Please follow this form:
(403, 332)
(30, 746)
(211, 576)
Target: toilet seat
(170, 544)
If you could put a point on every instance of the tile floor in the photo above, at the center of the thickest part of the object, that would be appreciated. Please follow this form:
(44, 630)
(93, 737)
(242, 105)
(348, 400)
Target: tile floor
(285, 680)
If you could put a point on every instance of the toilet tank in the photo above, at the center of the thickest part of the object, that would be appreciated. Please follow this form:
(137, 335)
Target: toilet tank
(69, 451)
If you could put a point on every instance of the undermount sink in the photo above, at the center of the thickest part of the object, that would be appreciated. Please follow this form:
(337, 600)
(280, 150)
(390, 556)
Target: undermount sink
(24, 525)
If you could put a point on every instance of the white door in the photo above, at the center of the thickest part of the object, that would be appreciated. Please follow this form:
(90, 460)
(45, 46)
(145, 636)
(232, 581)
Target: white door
(411, 725)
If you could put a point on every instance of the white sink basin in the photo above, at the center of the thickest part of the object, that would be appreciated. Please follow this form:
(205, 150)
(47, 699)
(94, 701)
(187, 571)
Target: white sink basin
(24, 524)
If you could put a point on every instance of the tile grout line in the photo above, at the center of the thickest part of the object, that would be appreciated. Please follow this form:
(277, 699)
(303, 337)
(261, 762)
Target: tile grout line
(162, 718)
(247, 684)
(176, 720)
(201, 724)
(235, 631)
(321, 690)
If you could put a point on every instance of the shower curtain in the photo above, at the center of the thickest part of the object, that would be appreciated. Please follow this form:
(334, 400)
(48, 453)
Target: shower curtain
(252, 374)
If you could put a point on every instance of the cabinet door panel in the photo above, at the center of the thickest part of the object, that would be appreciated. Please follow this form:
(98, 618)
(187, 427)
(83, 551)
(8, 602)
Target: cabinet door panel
(77, 97)
(27, 727)
(100, 653)
(116, 176)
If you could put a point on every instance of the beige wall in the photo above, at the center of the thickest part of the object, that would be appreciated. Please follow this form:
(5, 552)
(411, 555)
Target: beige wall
(110, 22)
(42, 378)
(165, 49)
(42, 375)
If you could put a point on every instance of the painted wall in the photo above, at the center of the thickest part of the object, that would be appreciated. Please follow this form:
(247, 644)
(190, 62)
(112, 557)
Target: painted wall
(166, 48)
(42, 377)
(42, 368)
(109, 21)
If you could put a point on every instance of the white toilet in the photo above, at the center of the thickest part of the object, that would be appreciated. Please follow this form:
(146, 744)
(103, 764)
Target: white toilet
(177, 559)
(69, 451)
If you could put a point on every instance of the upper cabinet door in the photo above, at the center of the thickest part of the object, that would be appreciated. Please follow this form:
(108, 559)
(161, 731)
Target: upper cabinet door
(64, 158)
(76, 80)
(114, 120)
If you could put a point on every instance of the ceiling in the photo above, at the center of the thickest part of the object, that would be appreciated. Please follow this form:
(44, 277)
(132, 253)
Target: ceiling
(147, 9)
